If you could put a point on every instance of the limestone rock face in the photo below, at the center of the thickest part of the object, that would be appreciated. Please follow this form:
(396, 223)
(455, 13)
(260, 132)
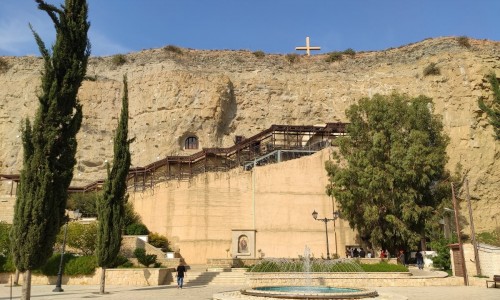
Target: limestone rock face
(216, 95)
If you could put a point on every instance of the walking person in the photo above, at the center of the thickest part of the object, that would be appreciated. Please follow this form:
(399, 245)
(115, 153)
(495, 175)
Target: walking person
(181, 271)
(420, 260)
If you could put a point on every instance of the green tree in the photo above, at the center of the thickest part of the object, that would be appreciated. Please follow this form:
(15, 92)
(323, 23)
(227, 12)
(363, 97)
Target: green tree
(111, 205)
(49, 143)
(390, 161)
(80, 237)
(493, 110)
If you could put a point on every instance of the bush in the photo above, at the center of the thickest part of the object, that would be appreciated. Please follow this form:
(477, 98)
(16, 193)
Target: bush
(4, 66)
(259, 54)
(81, 265)
(432, 69)
(143, 258)
(6, 264)
(442, 259)
(159, 241)
(349, 52)
(81, 237)
(118, 59)
(121, 262)
(130, 216)
(84, 202)
(51, 267)
(292, 57)
(136, 229)
(4, 238)
(383, 267)
(463, 41)
(491, 238)
(333, 56)
(172, 48)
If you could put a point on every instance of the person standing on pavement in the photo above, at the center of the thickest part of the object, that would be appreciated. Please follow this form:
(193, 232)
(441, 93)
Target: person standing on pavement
(181, 272)
(420, 260)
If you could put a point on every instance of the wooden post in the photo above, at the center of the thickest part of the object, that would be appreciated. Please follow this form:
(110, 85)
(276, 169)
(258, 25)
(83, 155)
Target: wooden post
(473, 232)
(460, 245)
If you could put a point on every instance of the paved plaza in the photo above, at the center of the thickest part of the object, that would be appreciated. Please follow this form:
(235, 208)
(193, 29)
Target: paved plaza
(207, 291)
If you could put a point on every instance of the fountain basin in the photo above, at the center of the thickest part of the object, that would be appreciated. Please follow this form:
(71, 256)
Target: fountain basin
(309, 292)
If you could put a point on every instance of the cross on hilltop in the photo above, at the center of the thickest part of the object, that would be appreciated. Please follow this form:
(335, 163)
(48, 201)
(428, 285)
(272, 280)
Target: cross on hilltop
(308, 47)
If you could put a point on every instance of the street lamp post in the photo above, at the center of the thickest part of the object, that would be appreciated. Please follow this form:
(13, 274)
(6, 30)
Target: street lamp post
(326, 220)
(58, 288)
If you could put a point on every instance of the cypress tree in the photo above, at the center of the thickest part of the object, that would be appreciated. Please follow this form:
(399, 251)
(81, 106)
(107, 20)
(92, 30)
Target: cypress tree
(111, 205)
(49, 142)
(493, 110)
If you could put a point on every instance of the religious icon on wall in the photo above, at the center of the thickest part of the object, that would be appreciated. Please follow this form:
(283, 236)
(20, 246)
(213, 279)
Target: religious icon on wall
(243, 244)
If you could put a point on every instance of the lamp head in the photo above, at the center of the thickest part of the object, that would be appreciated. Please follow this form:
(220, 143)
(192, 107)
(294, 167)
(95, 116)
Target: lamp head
(315, 215)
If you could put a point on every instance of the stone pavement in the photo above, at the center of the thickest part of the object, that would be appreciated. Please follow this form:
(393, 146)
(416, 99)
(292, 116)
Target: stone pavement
(206, 292)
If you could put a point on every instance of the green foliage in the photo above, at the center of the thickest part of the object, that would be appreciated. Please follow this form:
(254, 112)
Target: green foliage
(136, 229)
(130, 217)
(143, 258)
(349, 52)
(442, 259)
(49, 142)
(432, 69)
(383, 267)
(259, 54)
(173, 49)
(493, 109)
(333, 56)
(4, 66)
(159, 241)
(118, 59)
(394, 155)
(120, 261)
(4, 238)
(6, 264)
(81, 265)
(80, 237)
(51, 267)
(86, 203)
(463, 41)
(111, 206)
(292, 58)
(491, 238)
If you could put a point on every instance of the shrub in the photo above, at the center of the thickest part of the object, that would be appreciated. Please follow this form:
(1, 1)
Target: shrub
(118, 59)
(81, 237)
(84, 202)
(4, 66)
(159, 241)
(137, 229)
(432, 69)
(173, 48)
(349, 52)
(292, 57)
(383, 267)
(259, 54)
(143, 258)
(120, 261)
(442, 259)
(492, 238)
(334, 56)
(81, 265)
(51, 267)
(4, 238)
(6, 264)
(130, 216)
(463, 41)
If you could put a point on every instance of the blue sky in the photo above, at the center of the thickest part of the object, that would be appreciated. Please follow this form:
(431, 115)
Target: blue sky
(273, 26)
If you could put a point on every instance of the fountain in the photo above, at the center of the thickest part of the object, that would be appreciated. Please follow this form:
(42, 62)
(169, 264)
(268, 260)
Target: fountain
(303, 278)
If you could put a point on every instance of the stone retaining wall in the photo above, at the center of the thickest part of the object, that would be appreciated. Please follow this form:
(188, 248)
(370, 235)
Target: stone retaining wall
(123, 277)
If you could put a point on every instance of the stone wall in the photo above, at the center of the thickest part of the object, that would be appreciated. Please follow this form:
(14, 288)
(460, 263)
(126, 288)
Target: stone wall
(7, 208)
(276, 200)
(124, 277)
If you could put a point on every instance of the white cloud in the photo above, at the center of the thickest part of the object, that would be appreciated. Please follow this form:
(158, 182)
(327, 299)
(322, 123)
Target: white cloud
(102, 45)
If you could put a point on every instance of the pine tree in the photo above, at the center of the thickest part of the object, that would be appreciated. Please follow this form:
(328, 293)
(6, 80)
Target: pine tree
(111, 205)
(493, 110)
(49, 142)
(387, 168)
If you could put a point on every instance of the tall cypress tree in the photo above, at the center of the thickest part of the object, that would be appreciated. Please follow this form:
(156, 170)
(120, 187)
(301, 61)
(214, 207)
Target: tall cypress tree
(493, 110)
(111, 205)
(49, 142)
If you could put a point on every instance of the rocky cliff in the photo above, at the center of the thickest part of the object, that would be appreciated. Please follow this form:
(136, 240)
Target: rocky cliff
(216, 95)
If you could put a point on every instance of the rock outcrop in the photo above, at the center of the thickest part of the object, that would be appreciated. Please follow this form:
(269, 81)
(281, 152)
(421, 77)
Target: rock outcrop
(216, 95)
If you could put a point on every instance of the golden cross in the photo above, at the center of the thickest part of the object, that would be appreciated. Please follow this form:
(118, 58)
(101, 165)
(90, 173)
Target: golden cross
(308, 47)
